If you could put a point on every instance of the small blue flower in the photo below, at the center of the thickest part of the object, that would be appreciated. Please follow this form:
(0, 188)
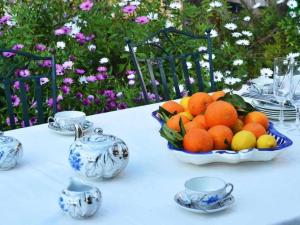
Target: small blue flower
(211, 199)
(62, 204)
(75, 161)
(1, 154)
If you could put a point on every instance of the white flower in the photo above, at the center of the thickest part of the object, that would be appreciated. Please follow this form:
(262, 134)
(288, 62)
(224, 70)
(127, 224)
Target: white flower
(92, 47)
(192, 80)
(119, 94)
(257, 5)
(204, 64)
(131, 82)
(152, 16)
(280, 1)
(247, 33)
(156, 82)
(202, 48)
(127, 48)
(175, 5)
(218, 76)
(205, 56)
(68, 65)
(231, 80)
(230, 26)
(247, 18)
(238, 62)
(122, 3)
(136, 3)
(73, 26)
(130, 76)
(236, 34)
(181, 88)
(266, 72)
(169, 24)
(82, 79)
(293, 14)
(44, 80)
(293, 55)
(292, 4)
(103, 60)
(242, 42)
(225, 44)
(189, 65)
(61, 44)
(227, 72)
(213, 33)
(153, 40)
(215, 4)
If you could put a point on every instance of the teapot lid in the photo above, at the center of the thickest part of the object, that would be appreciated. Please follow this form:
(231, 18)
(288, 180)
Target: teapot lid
(99, 138)
(5, 139)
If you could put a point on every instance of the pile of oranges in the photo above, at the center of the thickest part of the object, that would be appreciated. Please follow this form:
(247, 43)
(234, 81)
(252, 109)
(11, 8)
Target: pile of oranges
(212, 124)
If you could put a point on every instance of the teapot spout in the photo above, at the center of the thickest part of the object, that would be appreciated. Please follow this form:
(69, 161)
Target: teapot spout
(78, 131)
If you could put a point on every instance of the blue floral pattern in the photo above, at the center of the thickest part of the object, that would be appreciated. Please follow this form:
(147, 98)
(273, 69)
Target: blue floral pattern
(211, 199)
(62, 204)
(75, 160)
(1, 154)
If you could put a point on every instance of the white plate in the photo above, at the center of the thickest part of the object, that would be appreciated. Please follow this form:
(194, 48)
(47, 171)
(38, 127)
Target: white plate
(229, 201)
(271, 107)
(87, 125)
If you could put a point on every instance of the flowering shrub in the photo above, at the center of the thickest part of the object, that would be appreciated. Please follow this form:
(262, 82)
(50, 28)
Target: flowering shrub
(93, 65)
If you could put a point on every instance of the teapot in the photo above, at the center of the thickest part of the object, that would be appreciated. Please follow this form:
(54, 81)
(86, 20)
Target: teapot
(10, 152)
(97, 155)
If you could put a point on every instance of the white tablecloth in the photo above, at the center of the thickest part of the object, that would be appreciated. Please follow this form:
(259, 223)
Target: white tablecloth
(266, 192)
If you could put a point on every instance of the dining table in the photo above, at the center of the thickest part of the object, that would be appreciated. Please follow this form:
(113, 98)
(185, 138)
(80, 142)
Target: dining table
(266, 193)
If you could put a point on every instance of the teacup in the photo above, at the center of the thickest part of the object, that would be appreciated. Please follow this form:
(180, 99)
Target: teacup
(207, 191)
(67, 119)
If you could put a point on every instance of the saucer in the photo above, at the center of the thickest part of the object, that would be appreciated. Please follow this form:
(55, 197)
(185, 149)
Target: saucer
(87, 125)
(224, 204)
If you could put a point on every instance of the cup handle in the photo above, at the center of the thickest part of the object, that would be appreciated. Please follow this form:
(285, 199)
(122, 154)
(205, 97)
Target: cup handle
(230, 190)
(50, 119)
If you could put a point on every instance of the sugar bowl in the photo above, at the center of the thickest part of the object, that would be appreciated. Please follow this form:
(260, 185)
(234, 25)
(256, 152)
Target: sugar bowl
(97, 155)
(10, 152)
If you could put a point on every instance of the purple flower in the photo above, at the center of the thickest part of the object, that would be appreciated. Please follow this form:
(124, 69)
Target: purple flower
(90, 37)
(59, 98)
(8, 120)
(40, 47)
(86, 5)
(24, 73)
(5, 19)
(68, 65)
(80, 38)
(44, 80)
(122, 105)
(101, 69)
(65, 89)
(16, 85)
(8, 54)
(101, 76)
(91, 78)
(18, 47)
(59, 32)
(47, 63)
(80, 71)
(68, 81)
(59, 69)
(129, 72)
(15, 100)
(142, 20)
(91, 97)
(110, 94)
(129, 9)
(72, 58)
(1, 33)
(79, 95)
(97, 101)
(50, 102)
(86, 102)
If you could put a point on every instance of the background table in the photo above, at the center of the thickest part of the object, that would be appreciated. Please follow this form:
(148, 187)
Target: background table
(265, 192)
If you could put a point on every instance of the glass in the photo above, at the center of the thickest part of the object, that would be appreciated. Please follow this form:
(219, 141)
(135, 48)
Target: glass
(283, 70)
(295, 93)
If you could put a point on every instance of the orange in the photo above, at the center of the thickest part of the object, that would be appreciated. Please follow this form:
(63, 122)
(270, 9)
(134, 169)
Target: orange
(220, 113)
(173, 122)
(173, 107)
(216, 95)
(192, 125)
(256, 128)
(237, 126)
(197, 140)
(257, 117)
(222, 136)
(198, 103)
(201, 120)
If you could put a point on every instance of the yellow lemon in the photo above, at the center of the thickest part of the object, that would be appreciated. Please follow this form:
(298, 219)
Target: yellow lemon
(185, 102)
(187, 114)
(266, 141)
(243, 140)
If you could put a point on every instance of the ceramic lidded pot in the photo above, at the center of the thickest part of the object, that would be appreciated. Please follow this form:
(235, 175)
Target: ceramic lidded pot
(97, 155)
(80, 200)
(10, 152)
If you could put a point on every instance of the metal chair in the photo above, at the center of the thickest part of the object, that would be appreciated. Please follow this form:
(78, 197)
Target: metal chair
(32, 101)
(164, 57)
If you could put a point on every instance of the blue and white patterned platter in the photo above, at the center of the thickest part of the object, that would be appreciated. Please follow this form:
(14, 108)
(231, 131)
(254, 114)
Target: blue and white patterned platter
(229, 156)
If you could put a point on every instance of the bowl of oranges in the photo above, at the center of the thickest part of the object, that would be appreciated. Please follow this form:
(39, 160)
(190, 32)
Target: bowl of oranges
(218, 127)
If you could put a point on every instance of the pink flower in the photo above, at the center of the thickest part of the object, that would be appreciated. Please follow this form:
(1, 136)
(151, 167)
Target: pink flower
(47, 63)
(59, 31)
(67, 65)
(86, 5)
(59, 69)
(101, 76)
(101, 69)
(65, 89)
(129, 72)
(91, 79)
(142, 20)
(129, 9)
(40, 47)
(8, 54)
(18, 47)
(8, 120)
(15, 100)
(80, 71)
(68, 81)
(44, 80)
(16, 85)
(24, 73)
(5, 19)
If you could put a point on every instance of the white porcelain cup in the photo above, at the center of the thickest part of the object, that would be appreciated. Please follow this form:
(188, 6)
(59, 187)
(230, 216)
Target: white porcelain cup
(207, 191)
(67, 119)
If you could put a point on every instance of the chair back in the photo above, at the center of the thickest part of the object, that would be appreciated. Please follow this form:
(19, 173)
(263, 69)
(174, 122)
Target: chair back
(166, 56)
(28, 86)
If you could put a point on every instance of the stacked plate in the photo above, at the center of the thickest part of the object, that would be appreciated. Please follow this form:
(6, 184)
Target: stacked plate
(272, 110)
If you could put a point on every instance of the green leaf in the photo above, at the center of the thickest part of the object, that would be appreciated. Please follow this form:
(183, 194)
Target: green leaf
(239, 103)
